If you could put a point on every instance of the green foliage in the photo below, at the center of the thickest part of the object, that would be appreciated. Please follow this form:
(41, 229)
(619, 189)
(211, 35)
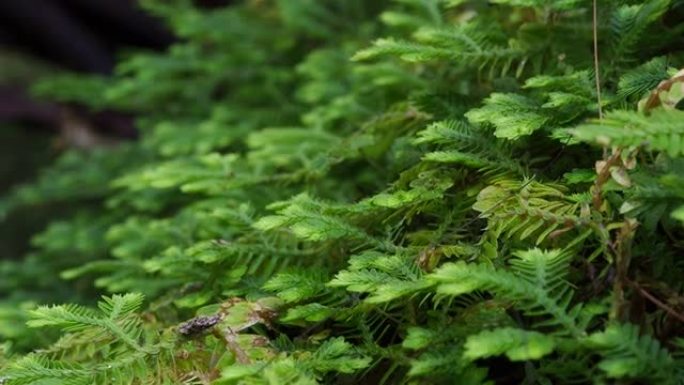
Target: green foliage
(644, 78)
(379, 192)
(627, 354)
(662, 131)
(518, 345)
(536, 284)
(513, 115)
(468, 146)
(123, 353)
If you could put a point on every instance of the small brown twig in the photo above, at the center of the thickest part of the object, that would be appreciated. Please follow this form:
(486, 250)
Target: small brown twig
(230, 337)
(603, 176)
(669, 310)
(596, 60)
(623, 256)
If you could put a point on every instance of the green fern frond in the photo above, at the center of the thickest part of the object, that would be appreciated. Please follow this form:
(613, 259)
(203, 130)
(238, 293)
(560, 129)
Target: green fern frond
(337, 355)
(437, 350)
(558, 5)
(191, 137)
(121, 370)
(307, 219)
(644, 78)
(627, 354)
(527, 209)
(405, 198)
(384, 278)
(34, 369)
(516, 344)
(663, 130)
(309, 313)
(79, 175)
(283, 147)
(513, 116)
(628, 23)
(463, 144)
(295, 287)
(198, 174)
(470, 44)
(116, 321)
(71, 88)
(333, 355)
(70, 317)
(121, 305)
(548, 269)
(526, 285)
(576, 83)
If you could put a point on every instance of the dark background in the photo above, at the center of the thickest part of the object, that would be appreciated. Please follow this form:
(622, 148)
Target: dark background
(43, 37)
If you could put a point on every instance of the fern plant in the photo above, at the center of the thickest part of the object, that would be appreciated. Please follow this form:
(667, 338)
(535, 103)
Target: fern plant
(386, 192)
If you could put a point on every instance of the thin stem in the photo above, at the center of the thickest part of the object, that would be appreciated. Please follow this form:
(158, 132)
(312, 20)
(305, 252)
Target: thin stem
(658, 302)
(596, 61)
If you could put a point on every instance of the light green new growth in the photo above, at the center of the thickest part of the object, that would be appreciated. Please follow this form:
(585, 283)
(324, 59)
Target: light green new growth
(370, 192)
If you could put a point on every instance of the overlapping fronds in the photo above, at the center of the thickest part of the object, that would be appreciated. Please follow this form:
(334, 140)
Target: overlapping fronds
(662, 131)
(371, 192)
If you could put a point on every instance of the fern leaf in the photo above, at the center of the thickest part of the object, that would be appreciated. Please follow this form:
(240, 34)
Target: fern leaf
(70, 317)
(338, 355)
(538, 209)
(629, 22)
(516, 344)
(118, 306)
(627, 354)
(534, 294)
(292, 287)
(463, 144)
(662, 131)
(74, 318)
(644, 78)
(513, 116)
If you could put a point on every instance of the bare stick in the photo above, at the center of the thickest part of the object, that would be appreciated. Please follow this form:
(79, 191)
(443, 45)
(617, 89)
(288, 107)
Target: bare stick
(658, 302)
(596, 61)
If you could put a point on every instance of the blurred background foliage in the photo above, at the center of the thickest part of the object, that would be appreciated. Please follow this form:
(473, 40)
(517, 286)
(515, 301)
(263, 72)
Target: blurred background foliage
(39, 39)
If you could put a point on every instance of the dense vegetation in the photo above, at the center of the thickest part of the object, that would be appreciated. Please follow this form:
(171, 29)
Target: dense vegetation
(465, 201)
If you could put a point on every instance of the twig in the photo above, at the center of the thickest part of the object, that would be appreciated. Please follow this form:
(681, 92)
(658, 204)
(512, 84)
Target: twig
(603, 176)
(596, 61)
(658, 302)
(623, 256)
